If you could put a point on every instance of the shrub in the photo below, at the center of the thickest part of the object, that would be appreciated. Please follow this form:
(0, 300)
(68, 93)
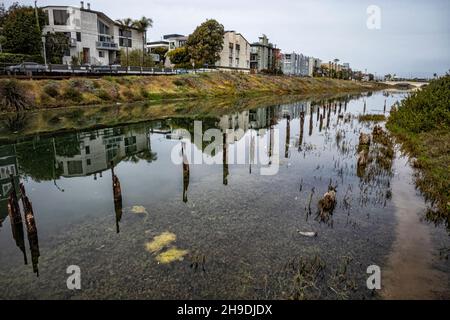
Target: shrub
(13, 96)
(73, 94)
(425, 110)
(52, 89)
(103, 94)
(179, 82)
(128, 94)
(145, 94)
(16, 58)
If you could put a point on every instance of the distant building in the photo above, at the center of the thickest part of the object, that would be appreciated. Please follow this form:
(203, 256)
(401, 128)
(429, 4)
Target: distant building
(304, 65)
(94, 37)
(263, 54)
(157, 44)
(314, 66)
(169, 42)
(235, 55)
(290, 64)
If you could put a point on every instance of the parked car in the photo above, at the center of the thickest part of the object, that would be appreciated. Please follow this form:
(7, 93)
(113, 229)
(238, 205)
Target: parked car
(111, 68)
(26, 67)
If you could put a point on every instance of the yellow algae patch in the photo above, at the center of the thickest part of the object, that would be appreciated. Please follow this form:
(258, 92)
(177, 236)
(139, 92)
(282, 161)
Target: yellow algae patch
(138, 209)
(160, 242)
(171, 255)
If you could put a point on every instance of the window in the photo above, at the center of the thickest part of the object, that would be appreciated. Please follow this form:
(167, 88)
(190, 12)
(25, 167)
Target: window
(79, 36)
(87, 150)
(101, 54)
(6, 171)
(231, 62)
(124, 33)
(74, 167)
(61, 17)
(238, 47)
(123, 42)
(102, 28)
(129, 141)
(88, 162)
(237, 62)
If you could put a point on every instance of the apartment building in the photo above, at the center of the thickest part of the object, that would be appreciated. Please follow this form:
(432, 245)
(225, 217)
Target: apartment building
(314, 66)
(295, 64)
(290, 64)
(263, 54)
(235, 55)
(169, 42)
(94, 37)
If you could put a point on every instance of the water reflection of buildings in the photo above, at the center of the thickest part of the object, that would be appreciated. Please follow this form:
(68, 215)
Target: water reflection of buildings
(97, 149)
(8, 167)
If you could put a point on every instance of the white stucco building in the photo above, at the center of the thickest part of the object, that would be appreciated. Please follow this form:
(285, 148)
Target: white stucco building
(235, 55)
(94, 37)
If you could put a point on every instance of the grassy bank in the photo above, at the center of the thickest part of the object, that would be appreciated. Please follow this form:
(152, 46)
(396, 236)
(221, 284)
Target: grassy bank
(422, 125)
(43, 94)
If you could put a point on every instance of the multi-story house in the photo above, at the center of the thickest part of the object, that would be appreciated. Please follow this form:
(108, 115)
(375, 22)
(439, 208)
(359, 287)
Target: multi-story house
(290, 64)
(304, 65)
(295, 64)
(263, 54)
(169, 42)
(235, 55)
(94, 37)
(314, 66)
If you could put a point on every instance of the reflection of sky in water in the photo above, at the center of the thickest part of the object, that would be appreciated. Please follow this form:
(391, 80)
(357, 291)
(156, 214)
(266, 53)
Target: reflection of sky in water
(249, 225)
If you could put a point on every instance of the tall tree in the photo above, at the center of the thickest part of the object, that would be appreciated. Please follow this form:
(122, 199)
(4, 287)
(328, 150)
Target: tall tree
(206, 43)
(180, 57)
(56, 44)
(142, 26)
(21, 31)
(126, 25)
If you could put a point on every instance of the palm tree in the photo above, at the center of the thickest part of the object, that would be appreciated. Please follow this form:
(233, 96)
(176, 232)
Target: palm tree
(142, 25)
(126, 24)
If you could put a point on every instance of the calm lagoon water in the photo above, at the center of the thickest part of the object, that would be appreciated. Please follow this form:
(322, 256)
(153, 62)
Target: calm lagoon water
(212, 231)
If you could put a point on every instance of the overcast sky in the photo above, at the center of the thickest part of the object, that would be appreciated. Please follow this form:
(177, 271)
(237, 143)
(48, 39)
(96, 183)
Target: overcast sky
(414, 38)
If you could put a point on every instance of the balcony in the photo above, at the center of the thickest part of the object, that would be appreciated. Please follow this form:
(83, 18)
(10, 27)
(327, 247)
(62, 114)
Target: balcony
(104, 45)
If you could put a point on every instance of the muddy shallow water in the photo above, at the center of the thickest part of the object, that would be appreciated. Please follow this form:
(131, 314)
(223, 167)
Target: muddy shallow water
(222, 230)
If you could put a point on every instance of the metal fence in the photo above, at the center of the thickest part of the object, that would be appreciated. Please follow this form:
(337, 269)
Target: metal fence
(64, 70)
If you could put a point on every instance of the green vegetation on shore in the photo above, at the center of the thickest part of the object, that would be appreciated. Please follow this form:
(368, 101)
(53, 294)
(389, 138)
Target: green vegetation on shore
(44, 94)
(422, 125)
(372, 118)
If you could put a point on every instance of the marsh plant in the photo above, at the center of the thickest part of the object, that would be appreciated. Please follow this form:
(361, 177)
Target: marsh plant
(13, 96)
